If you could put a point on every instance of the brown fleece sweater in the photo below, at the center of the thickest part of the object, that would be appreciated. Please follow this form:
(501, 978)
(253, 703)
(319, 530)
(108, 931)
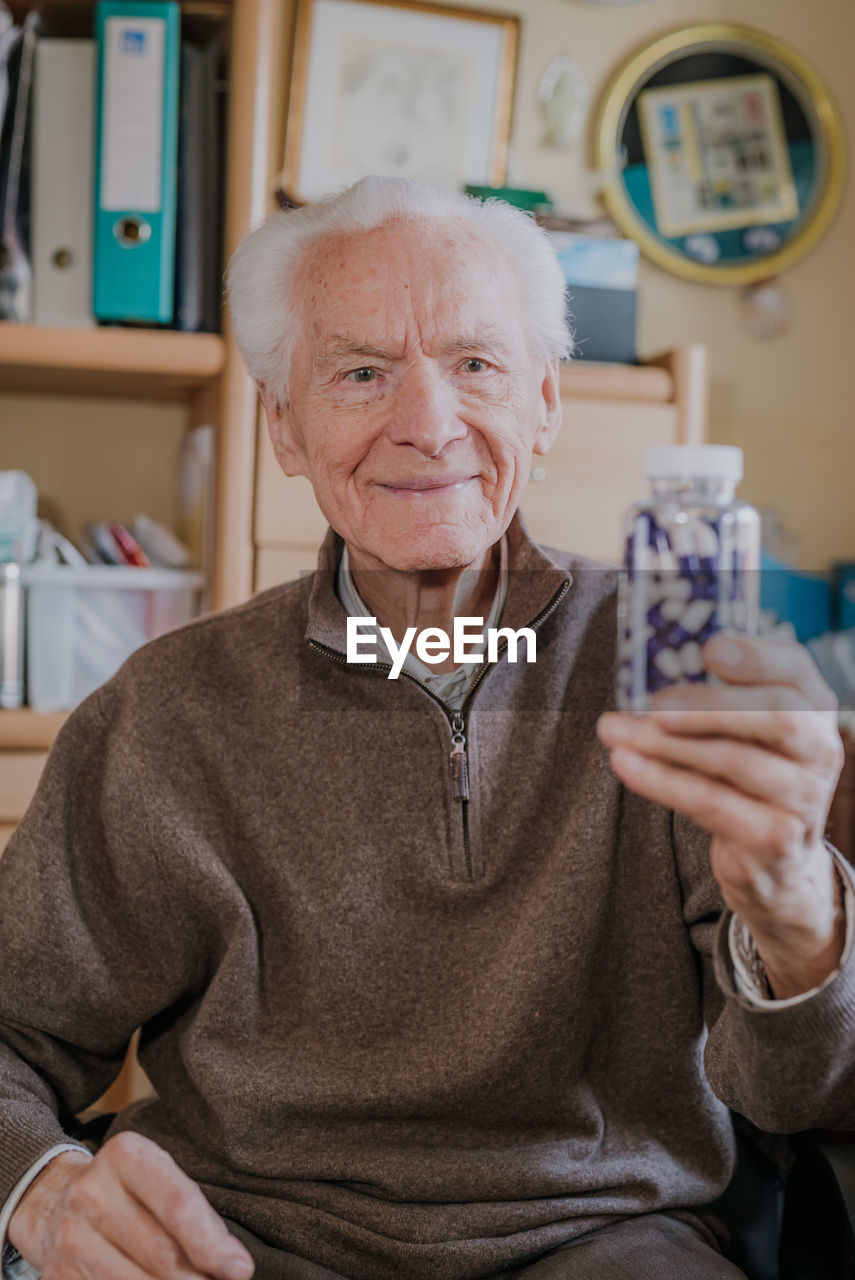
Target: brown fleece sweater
(392, 1031)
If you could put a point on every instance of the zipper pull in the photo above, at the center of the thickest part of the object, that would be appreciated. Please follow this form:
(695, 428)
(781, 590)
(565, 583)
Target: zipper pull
(459, 763)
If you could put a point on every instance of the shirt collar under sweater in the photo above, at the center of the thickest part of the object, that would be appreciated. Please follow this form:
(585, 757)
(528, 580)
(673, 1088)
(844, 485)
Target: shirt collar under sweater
(535, 583)
(450, 686)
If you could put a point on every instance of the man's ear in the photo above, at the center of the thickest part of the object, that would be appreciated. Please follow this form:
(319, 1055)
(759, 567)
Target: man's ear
(550, 408)
(283, 437)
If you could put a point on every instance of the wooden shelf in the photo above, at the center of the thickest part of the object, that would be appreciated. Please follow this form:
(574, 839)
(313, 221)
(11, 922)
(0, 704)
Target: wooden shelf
(147, 363)
(26, 730)
(593, 380)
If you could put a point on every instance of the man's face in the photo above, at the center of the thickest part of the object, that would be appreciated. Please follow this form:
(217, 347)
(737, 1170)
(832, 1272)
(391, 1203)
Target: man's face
(415, 403)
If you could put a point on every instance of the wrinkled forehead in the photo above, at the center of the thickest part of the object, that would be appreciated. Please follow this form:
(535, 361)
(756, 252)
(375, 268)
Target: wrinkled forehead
(409, 277)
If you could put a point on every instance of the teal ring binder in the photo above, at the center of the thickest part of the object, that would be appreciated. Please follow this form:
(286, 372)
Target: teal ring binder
(138, 58)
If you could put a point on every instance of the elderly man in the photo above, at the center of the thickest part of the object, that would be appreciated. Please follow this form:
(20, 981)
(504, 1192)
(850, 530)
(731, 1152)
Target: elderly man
(431, 983)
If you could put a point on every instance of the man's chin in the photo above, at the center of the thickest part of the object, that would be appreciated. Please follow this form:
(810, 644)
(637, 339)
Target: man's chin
(437, 551)
(429, 564)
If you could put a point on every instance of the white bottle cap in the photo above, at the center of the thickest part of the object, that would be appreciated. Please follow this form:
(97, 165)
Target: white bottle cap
(693, 462)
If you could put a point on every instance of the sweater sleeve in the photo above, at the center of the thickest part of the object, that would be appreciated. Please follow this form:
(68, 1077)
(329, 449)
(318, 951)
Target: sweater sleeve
(88, 953)
(784, 1065)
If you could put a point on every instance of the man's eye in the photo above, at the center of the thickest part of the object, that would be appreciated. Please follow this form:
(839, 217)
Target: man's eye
(362, 375)
(474, 365)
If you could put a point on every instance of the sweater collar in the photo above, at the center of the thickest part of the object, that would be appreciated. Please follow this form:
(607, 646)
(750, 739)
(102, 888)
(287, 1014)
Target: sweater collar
(536, 584)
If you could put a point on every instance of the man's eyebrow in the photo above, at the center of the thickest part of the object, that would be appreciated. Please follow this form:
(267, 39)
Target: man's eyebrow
(483, 340)
(338, 345)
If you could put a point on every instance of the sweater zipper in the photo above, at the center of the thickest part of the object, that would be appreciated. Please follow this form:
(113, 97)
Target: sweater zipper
(458, 760)
(460, 779)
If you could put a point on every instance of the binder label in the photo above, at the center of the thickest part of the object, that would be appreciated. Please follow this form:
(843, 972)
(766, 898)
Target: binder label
(132, 117)
(133, 42)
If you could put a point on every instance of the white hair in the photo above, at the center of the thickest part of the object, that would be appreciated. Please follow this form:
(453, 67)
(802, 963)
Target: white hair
(263, 272)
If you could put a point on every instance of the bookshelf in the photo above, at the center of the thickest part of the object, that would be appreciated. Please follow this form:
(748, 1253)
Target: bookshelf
(199, 376)
(151, 384)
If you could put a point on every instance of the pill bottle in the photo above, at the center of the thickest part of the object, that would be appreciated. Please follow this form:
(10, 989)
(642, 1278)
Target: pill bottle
(690, 569)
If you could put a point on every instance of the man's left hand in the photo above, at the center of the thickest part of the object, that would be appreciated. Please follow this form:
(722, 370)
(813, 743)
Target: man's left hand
(755, 760)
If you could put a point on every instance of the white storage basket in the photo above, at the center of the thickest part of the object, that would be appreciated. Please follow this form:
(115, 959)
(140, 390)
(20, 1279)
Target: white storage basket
(82, 623)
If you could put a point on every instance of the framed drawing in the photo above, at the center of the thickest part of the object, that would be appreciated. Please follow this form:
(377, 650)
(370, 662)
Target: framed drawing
(725, 151)
(414, 90)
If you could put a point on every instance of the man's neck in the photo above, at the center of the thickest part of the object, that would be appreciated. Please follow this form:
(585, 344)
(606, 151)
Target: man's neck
(427, 598)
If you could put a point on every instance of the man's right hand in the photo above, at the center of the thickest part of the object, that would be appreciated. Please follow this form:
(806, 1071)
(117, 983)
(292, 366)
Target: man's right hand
(128, 1214)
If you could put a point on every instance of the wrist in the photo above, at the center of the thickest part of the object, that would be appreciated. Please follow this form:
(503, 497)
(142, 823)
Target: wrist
(802, 946)
(28, 1223)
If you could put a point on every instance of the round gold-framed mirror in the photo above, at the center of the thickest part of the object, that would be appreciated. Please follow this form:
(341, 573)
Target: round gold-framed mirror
(725, 151)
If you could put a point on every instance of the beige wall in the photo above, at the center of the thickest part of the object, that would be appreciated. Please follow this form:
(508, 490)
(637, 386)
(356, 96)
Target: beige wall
(788, 400)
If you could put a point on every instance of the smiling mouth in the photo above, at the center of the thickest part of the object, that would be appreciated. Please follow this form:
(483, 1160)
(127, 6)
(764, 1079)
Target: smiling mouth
(424, 485)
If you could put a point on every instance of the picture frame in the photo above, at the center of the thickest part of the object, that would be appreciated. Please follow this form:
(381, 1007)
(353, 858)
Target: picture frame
(717, 154)
(724, 153)
(416, 90)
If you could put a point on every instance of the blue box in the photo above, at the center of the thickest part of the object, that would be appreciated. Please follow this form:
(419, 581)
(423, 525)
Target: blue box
(804, 599)
(601, 274)
(844, 595)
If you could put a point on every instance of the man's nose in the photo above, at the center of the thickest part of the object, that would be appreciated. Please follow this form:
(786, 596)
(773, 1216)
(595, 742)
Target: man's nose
(425, 412)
